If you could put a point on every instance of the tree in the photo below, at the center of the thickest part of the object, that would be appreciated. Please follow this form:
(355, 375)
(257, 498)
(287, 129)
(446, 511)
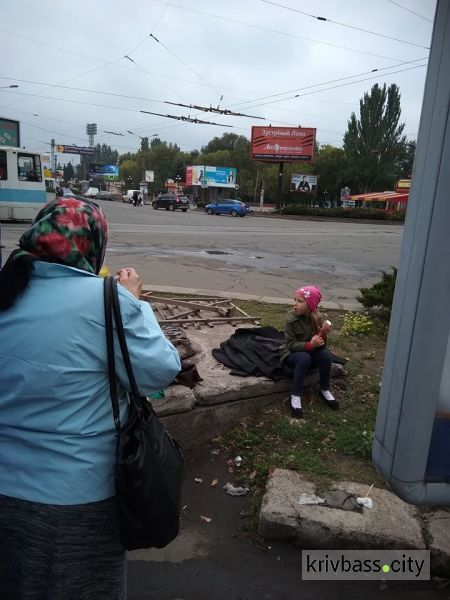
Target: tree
(228, 141)
(69, 171)
(105, 155)
(405, 162)
(330, 166)
(374, 142)
(144, 144)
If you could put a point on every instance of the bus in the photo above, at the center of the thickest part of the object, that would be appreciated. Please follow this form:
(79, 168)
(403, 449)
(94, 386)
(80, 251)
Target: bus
(22, 186)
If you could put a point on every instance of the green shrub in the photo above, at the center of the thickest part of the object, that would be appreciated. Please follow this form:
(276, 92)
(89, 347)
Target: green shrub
(381, 294)
(343, 213)
(357, 324)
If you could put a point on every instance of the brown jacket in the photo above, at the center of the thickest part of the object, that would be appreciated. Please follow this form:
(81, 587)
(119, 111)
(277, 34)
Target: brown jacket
(298, 330)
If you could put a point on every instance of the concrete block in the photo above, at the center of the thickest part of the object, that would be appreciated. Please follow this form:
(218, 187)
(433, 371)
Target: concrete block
(205, 422)
(178, 399)
(390, 524)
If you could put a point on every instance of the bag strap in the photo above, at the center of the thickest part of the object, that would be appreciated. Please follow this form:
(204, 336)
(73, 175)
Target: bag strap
(135, 396)
(107, 299)
(122, 340)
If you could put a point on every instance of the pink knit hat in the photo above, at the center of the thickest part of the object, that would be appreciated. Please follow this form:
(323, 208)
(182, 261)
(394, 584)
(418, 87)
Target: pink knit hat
(312, 296)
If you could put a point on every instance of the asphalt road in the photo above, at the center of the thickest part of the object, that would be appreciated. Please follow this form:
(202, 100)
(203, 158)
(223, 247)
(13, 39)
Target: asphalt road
(254, 255)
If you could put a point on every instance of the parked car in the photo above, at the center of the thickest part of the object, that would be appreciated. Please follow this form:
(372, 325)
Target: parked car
(227, 207)
(171, 202)
(104, 195)
(128, 196)
(92, 192)
(64, 192)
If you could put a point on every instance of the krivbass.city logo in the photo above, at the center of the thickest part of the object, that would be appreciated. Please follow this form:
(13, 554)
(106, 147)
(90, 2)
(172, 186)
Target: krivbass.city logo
(366, 564)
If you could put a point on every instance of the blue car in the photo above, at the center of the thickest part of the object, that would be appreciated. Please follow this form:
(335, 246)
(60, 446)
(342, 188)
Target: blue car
(227, 207)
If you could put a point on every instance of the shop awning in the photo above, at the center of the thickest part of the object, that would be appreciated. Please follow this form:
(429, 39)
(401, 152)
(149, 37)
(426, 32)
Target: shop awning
(381, 196)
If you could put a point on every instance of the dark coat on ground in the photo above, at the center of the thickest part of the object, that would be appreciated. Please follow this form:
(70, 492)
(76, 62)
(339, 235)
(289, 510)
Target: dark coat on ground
(256, 351)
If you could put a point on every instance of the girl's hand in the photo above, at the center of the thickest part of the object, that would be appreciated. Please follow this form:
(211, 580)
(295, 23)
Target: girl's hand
(317, 341)
(130, 279)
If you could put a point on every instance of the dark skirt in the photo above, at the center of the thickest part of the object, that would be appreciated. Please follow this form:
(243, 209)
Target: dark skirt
(55, 552)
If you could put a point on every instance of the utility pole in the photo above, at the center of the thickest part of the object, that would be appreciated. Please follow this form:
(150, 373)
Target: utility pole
(280, 184)
(52, 155)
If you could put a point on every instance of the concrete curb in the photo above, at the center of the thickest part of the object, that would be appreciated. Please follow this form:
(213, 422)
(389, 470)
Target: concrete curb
(355, 307)
(390, 524)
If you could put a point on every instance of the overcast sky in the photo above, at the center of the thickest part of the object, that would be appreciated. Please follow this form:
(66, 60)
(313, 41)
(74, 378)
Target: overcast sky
(249, 56)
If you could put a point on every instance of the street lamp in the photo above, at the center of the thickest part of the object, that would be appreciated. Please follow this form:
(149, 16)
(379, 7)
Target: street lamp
(5, 87)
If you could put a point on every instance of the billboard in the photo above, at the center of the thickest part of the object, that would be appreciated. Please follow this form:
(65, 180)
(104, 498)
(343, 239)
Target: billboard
(9, 133)
(283, 144)
(85, 150)
(109, 172)
(209, 176)
(303, 183)
(194, 175)
(149, 176)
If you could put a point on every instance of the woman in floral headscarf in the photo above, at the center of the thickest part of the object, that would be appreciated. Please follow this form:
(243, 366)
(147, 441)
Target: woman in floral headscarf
(305, 334)
(59, 534)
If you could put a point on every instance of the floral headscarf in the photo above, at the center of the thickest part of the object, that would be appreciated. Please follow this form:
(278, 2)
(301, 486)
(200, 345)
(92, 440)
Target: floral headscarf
(65, 231)
(70, 232)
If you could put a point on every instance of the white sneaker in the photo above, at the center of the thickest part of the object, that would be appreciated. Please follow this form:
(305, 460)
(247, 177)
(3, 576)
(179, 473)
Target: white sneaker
(328, 395)
(296, 402)
(329, 399)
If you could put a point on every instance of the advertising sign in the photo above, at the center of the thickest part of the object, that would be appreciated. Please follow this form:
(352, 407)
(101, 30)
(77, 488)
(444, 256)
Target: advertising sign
(194, 175)
(283, 144)
(303, 183)
(149, 176)
(209, 176)
(110, 172)
(220, 176)
(9, 133)
(85, 150)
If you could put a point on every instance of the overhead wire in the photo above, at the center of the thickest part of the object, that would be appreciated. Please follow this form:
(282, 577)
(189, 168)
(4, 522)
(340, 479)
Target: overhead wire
(271, 30)
(105, 64)
(262, 104)
(411, 11)
(185, 64)
(334, 87)
(376, 69)
(326, 20)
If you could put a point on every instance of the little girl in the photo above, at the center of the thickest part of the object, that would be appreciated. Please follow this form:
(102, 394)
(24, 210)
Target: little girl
(304, 347)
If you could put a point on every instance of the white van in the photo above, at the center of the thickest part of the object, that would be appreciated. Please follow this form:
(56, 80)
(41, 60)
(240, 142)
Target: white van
(128, 197)
(92, 192)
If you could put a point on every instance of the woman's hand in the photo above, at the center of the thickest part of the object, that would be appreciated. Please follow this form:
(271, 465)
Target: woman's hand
(130, 279)
(317, 341)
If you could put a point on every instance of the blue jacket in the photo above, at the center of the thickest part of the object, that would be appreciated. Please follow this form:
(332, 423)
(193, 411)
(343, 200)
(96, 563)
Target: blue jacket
(57, 436)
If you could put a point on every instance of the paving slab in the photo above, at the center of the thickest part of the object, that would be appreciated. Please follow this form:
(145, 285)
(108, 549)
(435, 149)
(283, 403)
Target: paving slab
(390, 524)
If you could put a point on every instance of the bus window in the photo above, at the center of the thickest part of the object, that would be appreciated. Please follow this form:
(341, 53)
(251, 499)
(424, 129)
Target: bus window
(3, 166)
(29, 167)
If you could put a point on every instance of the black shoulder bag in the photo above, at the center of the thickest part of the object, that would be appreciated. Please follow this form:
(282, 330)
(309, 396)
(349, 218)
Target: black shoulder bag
(149, 462)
